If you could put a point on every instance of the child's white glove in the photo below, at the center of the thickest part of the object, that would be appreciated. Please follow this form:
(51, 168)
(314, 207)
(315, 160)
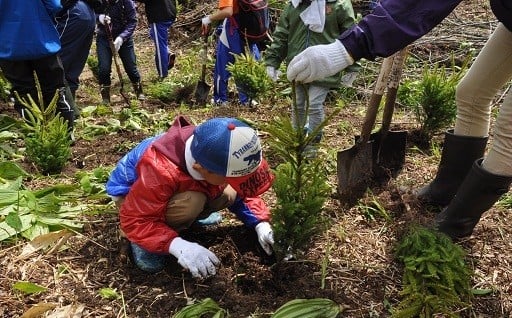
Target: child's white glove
(319, 61)
(273, 73)
(265, 236)
(118, 42)
(104, 19)
(193, 257)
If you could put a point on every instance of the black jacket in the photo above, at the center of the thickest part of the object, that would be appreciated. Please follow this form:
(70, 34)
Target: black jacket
(160, 10)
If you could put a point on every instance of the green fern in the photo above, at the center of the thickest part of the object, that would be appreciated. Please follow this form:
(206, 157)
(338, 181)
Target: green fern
(436, 279)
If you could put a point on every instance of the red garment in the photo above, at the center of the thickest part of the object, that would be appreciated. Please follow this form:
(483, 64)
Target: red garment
(160, 176)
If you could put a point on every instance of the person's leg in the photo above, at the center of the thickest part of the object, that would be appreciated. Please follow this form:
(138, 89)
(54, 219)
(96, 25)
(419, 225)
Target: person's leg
(127, 55)
(104, 67)
(21, 76)
(222, 59)
(50, 73)
(159, 33)
(489, 73)
(298, 112)
(316, 113)
(490, 177)
(76, 29)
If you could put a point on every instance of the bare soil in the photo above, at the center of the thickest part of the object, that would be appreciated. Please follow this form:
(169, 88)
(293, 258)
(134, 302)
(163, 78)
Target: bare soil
(361, 273)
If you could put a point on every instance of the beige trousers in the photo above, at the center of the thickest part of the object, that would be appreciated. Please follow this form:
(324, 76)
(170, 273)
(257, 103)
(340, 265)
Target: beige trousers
(185, 207)
(490, 72)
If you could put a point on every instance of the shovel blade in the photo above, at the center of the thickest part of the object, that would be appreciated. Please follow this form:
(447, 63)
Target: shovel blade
(354, 170)
(389, 154)
(201, 93)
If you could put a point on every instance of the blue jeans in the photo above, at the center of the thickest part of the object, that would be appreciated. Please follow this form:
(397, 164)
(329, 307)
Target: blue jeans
(316, 114)
(126, 54)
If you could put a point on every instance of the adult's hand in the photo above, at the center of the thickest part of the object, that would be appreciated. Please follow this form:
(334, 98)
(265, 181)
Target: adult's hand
(117, 43)
(104, 19)
(198, 260)
(319, 61)
(265, 236)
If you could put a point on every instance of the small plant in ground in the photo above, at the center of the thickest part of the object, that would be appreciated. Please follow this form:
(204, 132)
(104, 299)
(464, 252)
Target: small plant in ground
(372, 208)
(92, 62)
(48, 144)
(433, 97)
(300, 186)
(5, 87)
(250, 74)
(436, 280)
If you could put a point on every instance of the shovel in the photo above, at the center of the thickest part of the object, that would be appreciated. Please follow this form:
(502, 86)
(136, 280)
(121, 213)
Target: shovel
(389, 146)
(202, 88)
(118, 69)
(354, 165)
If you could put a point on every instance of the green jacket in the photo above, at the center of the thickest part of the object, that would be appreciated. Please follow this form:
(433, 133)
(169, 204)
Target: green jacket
(292, 36)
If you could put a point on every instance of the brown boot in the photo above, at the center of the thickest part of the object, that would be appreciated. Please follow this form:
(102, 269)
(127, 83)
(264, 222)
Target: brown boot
(105, 94)
(137, 89)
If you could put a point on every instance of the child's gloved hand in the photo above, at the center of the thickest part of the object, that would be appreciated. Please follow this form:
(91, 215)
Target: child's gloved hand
(195, 258)
(118, 42)
(104, 19)
(265, 236)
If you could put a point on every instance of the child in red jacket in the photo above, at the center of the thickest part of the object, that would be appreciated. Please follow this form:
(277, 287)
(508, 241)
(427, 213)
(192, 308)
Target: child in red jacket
(168, 181)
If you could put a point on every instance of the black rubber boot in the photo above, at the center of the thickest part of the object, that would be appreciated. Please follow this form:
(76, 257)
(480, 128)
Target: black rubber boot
(137, 89)
(105, 95)
(459, 153)
(477, 194)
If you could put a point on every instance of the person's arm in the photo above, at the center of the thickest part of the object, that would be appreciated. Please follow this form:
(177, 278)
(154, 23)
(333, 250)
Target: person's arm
(225, 10)
(52, 6)
(130, 15)
(393, 25)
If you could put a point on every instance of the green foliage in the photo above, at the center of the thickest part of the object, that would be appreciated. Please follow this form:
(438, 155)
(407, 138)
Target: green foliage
(28, 288)
(32, 213)
(436, 279)
(300, 185)
(48, 143)
(92, 62)
(181, 84)
(205, 307)
(5, 87)
(432, 97)
(250, 74)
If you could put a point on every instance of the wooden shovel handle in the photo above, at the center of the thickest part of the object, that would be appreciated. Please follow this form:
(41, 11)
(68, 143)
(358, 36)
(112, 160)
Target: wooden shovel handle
(393, 83)
(204, 56)
(373, 104)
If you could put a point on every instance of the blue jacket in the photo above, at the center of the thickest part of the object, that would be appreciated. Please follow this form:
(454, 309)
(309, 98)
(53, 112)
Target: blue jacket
(27, 30)
(123, 19)
(393, 24)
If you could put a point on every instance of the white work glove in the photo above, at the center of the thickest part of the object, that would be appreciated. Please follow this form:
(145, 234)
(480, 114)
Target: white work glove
(198, 260)
(348, 79)
(265, 236)
(104, 19)
(273, 73)
(319, 61)
(205, 22)
(117, 43)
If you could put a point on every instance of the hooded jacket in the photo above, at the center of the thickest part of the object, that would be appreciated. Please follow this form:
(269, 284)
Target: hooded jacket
(161, 162)
(292, 36)
(393, 24)
(123, 18)
(27, 30)
(159, 10)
